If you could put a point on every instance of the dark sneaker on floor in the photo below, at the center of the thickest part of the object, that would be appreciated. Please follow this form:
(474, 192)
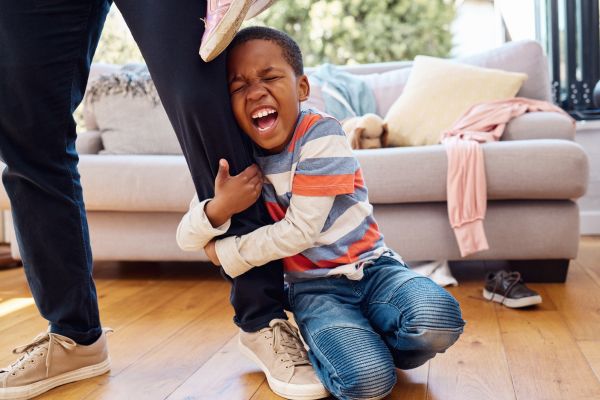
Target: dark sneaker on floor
(508, 288)
(51, 360)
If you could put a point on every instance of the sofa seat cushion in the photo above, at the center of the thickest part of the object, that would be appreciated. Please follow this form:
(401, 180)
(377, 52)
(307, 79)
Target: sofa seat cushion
(532, 169)
(136, 183)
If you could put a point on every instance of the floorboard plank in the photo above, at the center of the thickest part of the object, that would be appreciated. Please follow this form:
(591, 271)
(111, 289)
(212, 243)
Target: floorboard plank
(591, 352)
(411, 384)
(544, 360)
(226, 375)
(193, 327)
(265, 393)
(174, 339)
(578, 301)
(475, 367)
(133, 318)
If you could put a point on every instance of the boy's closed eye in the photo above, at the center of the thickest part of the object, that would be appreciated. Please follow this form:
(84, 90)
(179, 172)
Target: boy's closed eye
(238, 86)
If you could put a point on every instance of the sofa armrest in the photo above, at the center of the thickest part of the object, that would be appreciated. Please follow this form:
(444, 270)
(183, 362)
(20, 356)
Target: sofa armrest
(540, 125)
(88, 142)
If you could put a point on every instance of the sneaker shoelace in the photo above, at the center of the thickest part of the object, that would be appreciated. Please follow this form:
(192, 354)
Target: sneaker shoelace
(43, 342)
(286, 340)
(513, 277)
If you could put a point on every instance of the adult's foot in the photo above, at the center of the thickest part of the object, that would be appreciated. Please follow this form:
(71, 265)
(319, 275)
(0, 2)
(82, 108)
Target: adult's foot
(223, 20)
(257, 7)
(281, 355)
(51, 360)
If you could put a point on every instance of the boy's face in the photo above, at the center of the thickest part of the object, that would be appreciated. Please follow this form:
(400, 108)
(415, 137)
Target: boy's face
(265, 93)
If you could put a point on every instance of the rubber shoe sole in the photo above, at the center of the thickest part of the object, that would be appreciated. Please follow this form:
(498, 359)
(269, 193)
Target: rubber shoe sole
(223, 35)
(253, 13)
(284, 389)
(37, 388)
(512, 303)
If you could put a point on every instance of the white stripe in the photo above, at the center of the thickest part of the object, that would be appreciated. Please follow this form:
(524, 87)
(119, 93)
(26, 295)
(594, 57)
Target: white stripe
(282, 182)
(327, 146)
(346, 223)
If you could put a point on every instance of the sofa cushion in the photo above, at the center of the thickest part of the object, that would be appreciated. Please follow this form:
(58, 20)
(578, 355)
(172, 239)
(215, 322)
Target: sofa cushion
(540, 125)
(386, 87)
(136, 182)
(537, 169)
(438, 92)
(129, 114)
(526, 56)
(387, 80)
(515, 229)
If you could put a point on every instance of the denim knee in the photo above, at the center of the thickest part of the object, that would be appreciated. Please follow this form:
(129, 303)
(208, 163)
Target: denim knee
(428, 307)
(361, 369)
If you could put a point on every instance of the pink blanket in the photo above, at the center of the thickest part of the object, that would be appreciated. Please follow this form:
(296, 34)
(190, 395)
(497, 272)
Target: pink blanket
(466, 184)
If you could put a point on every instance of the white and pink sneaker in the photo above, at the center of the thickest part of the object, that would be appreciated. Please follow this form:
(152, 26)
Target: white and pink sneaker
(223, 20)
(257, 7)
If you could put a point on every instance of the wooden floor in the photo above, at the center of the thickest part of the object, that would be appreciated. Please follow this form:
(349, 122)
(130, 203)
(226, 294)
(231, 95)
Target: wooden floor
(174, 339)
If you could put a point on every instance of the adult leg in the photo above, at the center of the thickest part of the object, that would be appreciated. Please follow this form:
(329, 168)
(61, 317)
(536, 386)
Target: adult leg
(196, 98)
(45, 52)
(350, 357)
(416, 317)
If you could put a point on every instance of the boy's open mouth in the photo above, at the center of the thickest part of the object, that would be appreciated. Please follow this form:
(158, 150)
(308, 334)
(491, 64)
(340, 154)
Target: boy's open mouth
(264, 118)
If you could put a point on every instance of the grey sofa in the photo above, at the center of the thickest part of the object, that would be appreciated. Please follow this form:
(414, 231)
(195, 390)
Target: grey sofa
(534, 174)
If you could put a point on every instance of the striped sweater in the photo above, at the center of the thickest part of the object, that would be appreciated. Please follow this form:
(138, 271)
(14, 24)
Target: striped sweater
(315, 192)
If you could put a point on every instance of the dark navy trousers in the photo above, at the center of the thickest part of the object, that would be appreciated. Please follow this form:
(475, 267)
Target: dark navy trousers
(46, 47)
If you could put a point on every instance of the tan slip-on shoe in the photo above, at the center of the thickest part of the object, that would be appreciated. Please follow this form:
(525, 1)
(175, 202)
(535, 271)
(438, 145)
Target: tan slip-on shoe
(257, 7)
(51, 360)
(280, 354)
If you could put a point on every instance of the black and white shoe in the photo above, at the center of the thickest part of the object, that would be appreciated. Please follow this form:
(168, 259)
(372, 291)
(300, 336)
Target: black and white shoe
(508, 288)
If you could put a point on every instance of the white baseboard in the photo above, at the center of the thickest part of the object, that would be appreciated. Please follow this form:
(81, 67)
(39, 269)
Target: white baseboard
(589, 222)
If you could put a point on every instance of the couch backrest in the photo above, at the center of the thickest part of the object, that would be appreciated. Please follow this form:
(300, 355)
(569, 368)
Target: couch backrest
(387, 80)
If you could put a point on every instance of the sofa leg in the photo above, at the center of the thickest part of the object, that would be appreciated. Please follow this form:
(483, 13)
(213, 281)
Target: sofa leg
(546, 271)
(6, 261)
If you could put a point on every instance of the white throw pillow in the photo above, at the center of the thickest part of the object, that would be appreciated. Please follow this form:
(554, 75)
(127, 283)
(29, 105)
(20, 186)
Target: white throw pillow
(438, 92)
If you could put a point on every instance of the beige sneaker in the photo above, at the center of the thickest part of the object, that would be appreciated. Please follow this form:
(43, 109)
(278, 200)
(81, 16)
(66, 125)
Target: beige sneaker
(280, 353)
(51, 360)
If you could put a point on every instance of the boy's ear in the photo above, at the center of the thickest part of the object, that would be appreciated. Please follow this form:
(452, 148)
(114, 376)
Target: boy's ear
(303, 88)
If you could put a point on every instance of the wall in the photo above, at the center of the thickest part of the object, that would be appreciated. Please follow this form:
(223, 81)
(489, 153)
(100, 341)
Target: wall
(588, 136)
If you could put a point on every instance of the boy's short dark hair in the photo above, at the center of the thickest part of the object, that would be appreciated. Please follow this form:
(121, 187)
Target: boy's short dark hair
(289, 47)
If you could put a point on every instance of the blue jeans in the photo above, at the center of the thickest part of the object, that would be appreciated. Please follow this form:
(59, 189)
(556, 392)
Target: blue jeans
(360, 331)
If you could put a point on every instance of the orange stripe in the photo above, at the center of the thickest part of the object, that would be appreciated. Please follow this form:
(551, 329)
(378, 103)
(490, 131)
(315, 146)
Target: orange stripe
(304, 125)
(297, 263)
(323, 185)
(275, 210)
(359, 182)
(357, 248)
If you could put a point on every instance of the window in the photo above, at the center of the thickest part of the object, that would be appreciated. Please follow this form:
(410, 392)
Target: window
(569, 29)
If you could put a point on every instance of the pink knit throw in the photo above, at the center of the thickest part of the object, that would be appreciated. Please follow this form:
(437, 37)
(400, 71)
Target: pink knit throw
(466, 182)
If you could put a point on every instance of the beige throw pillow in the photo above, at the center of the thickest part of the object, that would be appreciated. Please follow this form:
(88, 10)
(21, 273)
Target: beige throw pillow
(129, 115)
(438, 92)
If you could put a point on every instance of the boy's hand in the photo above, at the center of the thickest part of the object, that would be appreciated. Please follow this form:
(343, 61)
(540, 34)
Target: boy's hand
(233, 194)
(211, 252)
